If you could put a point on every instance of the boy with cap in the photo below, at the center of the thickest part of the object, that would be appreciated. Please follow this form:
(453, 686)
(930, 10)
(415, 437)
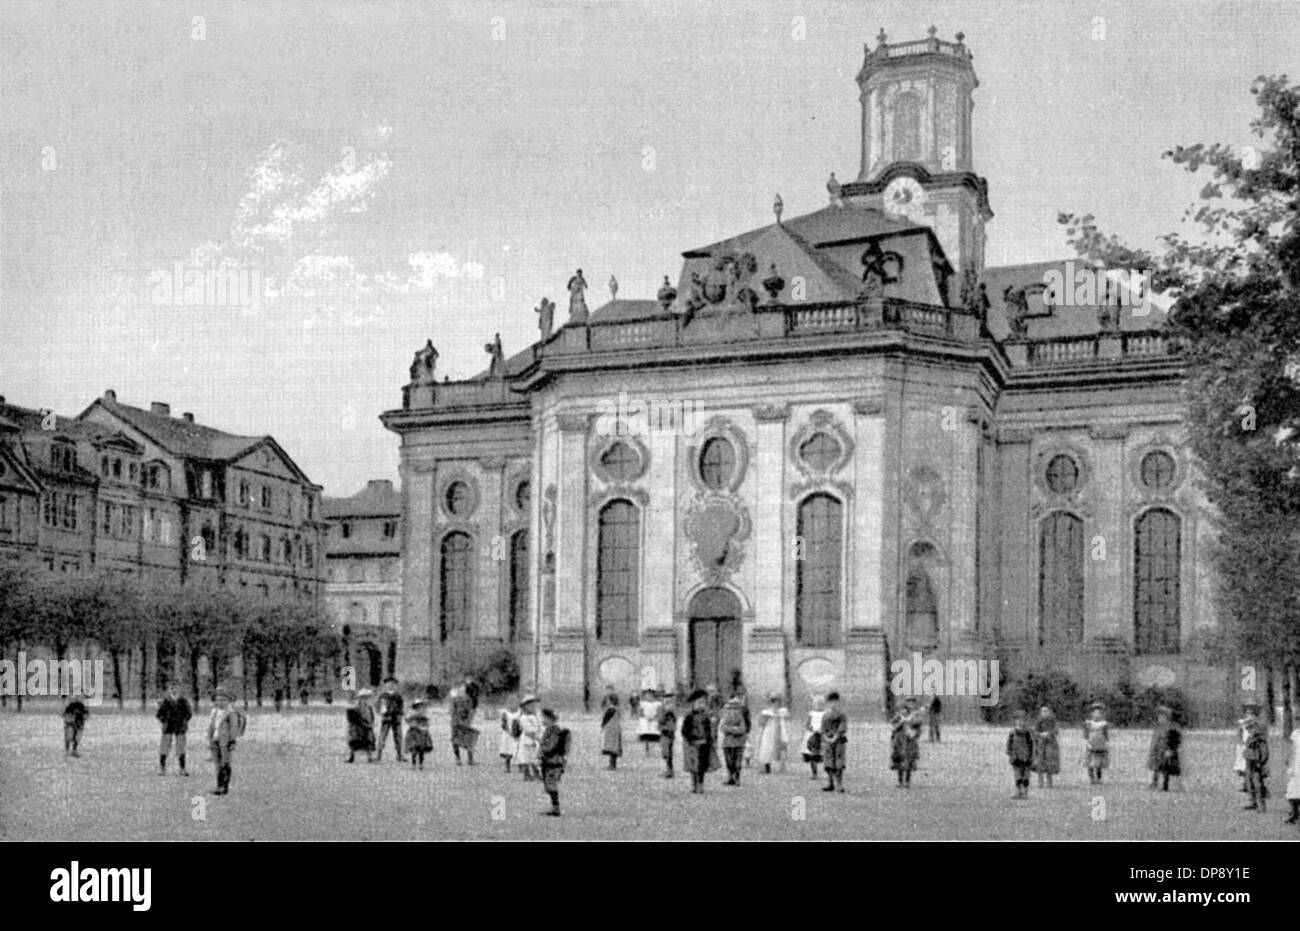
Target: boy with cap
(735, 733)
(390, 718)
(697, 740)
(552, 753)
(835, 738)
(224, 727)
(667, 723)
(174, 714)
(1020, 753)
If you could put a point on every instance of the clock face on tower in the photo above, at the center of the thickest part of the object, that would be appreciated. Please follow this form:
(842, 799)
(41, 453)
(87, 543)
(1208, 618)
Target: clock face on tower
(904, 197)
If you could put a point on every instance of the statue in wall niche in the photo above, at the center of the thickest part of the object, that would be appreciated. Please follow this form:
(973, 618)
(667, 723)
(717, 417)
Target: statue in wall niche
(1017, 311)
(835, 190)
(545, 318)
(577, 288)
(425, 360)
(667, 294)
(773, 284)
(496, 367)
(873, 272)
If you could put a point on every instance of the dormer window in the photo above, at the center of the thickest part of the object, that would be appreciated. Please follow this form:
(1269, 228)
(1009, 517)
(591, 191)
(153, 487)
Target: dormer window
(891, 268)
(63, 457)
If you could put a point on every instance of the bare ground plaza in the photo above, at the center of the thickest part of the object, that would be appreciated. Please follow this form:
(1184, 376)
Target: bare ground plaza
(290, 783)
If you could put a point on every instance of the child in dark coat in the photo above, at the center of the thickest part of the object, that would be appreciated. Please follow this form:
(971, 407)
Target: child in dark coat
(1164, 759)
(418, 739)
(1020, 753)
(834, 743)
(74, 722)
(552, 753)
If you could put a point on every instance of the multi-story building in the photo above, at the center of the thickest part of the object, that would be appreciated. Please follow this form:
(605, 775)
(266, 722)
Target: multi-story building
(839, 441)
(363, 588)
(161, 498)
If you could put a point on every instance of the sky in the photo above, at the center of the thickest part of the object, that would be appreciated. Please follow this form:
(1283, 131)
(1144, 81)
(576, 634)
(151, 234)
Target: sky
(375, 174)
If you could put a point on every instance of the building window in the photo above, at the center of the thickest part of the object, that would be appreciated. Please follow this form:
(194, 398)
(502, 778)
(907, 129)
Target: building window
(133, 474)
(266, 498)
(456, 591)
(4, 513)
(1158, 471)
(717, 463)
(1060, 579)
(205, 484)
(243, 494)
(459, 499)
(621, 462)
(1062, 475)
(209, 539)
(103, 466)
(618, 559)
(345, 530)
(71, 504)
(126, 522)
(308, 555)
(523, 496)
(390, 529)
(49, 509)
(1156, 583)
(518, 583)
(818, 573)
(286, 550)
(117, 468)
(108, 525)
(820, 452)
(241, 543)
(264, 548)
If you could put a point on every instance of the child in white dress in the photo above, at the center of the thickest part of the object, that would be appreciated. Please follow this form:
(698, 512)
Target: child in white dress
(508, 742)
(647, 722)
(773, 734)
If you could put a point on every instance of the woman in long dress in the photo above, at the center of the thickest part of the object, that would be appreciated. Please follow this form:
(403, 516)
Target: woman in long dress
(773, 734)
(530, 735)
(611, 726)
(361, 727)
(464, 735)
(1047, 747)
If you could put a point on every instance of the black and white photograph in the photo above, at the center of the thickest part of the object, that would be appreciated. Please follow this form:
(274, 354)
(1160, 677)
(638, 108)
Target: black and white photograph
(651, 422)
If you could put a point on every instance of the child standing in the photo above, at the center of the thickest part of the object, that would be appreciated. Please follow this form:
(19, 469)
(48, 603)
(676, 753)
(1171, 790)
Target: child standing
(530, 732)
(1256, 754)
(464, 735)
(812, 737)
(174, 714)
(834, 743)
(361, 727)
(1096, 740)
(508, 742)
(1020, 752)
(905, 743)
(735, 731)
(611, 726)
(647, 723)
(552, 752)
(1293, 783)
(1163, 758)
(418, 739)
(667, 725)
(1047, 746)
(773, 734)
(225, 727)
(697, 740)
(74, 722)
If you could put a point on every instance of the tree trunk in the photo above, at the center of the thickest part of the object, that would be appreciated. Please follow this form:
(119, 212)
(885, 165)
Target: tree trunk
(18, 693)
(144, 679)
(194, 677)
(243, 675)
(116, 657)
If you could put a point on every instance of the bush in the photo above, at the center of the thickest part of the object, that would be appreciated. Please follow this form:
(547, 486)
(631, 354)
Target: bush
(1034, 690)
(495, 668)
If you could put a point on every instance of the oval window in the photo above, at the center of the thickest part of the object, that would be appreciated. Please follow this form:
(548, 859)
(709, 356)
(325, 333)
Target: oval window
(1158, 470)
(820, 451)
(459, 499)
(717, 463)
(1062, 475)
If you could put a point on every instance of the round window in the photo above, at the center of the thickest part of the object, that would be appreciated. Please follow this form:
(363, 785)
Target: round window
(1158, 470)
(820, 451)
(1062, 475)
(717, 462)
(621, 462)
(459, 499)
(523, 496)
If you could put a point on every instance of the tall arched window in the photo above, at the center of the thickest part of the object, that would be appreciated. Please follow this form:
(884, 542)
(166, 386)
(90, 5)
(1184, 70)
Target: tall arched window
(818, 601)
(617, 566)
(518, 583)
(907, 128)
(1060, 579)
(456, 591)
(1156, 589)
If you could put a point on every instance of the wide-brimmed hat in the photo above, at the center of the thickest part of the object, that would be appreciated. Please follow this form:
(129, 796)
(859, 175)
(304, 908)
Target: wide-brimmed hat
(832, 696)
(698, 694)
(527, 699)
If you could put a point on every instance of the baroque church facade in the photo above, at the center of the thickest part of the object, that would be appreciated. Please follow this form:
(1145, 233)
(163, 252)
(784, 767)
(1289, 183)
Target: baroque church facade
(836, 441)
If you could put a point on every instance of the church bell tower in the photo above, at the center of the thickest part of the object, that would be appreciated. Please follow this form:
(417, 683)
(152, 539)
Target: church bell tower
(916, 143)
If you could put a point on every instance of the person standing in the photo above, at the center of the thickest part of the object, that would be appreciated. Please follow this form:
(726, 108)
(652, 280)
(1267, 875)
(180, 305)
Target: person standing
(530, 733)
(472, 692)
(552, 753)
(1243, 733)
(611, 726)
(905, 743)
(667, 724)
(174, 714)
(1257, 754)
(464, 735)
(1047, 746)
(812, 738)
(735, 731)
(361, 727)
(1020, 753)
(1163, 757)
(418, 739)
(1096, 739)
(508, 741)
(647, 727)
(697, 740)
(1293, 782)
(225, 727)
(834, 743)
(936, 713)
(773, 733)
(390, 718)
(74, 722)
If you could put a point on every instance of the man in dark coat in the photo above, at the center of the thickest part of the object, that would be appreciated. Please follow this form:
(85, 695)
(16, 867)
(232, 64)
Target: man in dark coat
(390, 718)
(74, 722)
(1163, 759)
(174, 714)
(552, 753)
(697, 740)
(835, 737)
(936, 714)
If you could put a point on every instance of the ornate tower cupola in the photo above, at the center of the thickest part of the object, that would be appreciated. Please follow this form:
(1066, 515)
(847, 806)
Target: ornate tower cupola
(916, 142)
